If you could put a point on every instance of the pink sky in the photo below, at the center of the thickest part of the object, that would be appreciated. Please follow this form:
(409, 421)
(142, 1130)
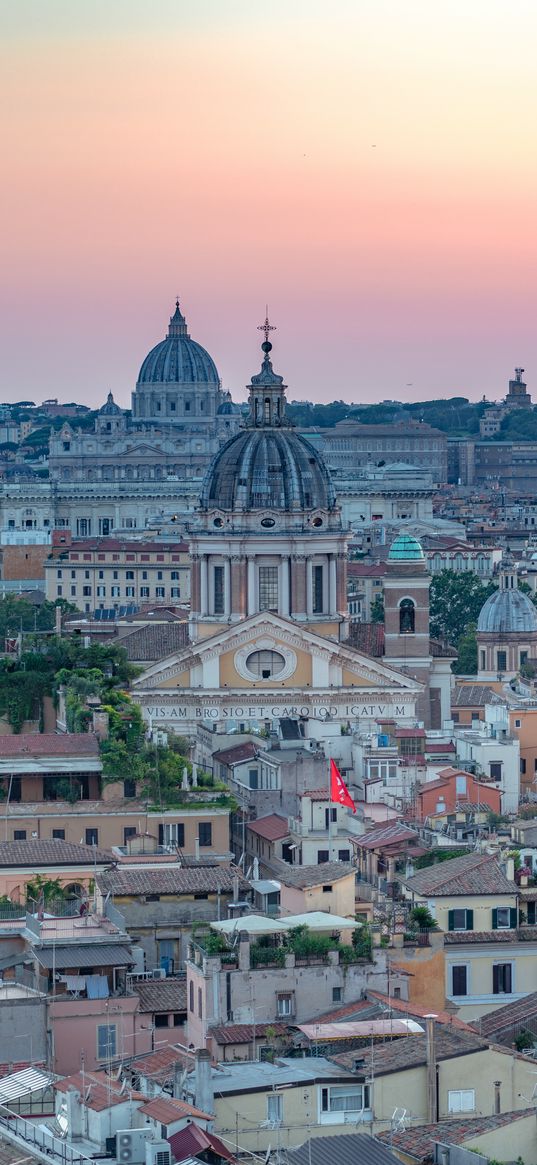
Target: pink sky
(366, 167)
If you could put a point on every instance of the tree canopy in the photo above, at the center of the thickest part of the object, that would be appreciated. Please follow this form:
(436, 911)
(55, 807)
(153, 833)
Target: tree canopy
(456, 599)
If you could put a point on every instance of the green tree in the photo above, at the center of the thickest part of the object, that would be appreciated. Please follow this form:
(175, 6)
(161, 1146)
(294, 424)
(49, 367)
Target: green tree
(466, 661)
(377, 609)
(456, 599)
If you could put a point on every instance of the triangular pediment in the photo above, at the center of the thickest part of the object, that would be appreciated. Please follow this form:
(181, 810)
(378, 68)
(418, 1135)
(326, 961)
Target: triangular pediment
(354, 668)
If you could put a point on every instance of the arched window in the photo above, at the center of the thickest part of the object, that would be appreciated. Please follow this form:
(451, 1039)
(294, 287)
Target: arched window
(407, 617)
(265, 664)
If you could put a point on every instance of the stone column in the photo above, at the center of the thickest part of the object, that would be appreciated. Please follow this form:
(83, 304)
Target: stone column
(227, 588)
(204, 584)
(341, 584)
(284, 586)
(238, 588)
(298, 586)
(252, 597)
(195, 584)
(309, 587)
(332, 605)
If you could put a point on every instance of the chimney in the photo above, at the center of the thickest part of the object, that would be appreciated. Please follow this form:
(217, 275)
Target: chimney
(197, 849)
(73, 1104)
(244, 951)
(203, 1081)
(497, 1097)
(432, 1114)
(178, 1080)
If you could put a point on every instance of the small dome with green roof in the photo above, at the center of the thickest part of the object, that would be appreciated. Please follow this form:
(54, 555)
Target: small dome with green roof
(405, 548)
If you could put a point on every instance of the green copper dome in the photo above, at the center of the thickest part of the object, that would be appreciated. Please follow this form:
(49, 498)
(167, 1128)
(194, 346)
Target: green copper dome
(405, 549)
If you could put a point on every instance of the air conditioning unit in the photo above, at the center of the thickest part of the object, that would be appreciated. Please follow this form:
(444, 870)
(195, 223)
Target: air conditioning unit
(158, 973)
(158, 1153)
(130, 1146)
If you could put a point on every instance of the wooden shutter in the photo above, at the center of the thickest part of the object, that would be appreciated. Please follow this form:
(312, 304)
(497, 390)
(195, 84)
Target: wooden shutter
(494, 918)
(469, 920)
(451, 920)
(513, 918)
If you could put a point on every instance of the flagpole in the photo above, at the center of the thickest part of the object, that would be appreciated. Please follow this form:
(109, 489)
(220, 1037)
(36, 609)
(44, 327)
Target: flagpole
(329, 810)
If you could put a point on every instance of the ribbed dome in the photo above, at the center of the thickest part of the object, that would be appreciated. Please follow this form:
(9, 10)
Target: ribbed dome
(507, 611)
(268, 469)
(178, 359)
(228, 409)
(405, 548)
(110, 409)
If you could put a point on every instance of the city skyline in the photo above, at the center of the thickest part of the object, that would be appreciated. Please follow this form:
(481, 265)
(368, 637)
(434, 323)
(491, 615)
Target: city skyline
(366, 172)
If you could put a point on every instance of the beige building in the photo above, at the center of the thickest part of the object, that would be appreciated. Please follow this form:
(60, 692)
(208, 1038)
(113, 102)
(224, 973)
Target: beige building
(109, 573)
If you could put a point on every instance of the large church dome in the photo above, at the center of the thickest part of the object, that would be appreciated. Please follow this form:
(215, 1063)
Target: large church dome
(178, 359)
(262, 469)
(266, 465)
(507, 611)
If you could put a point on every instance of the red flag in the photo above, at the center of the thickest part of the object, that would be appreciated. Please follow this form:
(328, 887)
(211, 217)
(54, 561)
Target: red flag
(338, 789)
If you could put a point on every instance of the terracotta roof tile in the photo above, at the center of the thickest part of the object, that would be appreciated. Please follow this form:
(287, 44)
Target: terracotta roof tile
(51, 851)
(167, 1110)
(271, 828)
(234, 756)
(50, 744)
(154, 641)
(418, 1142)
(163, 995)
(304, 876)
(411, 1051)
(171, 879)
(242, 1033)
(193, 1141)
(469, 874)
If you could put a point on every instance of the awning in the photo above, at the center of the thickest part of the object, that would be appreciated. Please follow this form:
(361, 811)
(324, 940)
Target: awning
(96, 955)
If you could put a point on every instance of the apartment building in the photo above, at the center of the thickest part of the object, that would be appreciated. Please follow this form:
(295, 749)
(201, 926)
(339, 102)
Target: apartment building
(108, 573)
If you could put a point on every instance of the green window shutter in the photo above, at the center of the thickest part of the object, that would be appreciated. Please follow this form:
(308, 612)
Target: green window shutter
(469, 920)
(451, 919)
(513, 919)
(494, 919)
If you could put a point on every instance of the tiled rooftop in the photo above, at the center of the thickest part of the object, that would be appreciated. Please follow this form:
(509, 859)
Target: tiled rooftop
(49, 744)
(175, 879)
(418, 1142)
(162, 995)
(243, 1033)
(470, 874)
(303, 876)
(271, 828)
(51, 852)
(411, 1051)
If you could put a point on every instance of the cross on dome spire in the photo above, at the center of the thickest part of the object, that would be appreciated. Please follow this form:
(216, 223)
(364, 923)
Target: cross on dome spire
(267, 328)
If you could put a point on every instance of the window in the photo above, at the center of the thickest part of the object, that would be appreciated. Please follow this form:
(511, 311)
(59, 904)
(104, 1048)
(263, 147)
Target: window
(129, 787)
(59, 834)
(205, 833)
(322, 856)
(19, 835)
(285, 1005)
(460, 786)
(92, 837)
(129, 574)
(343, 855)
(218, 580)
(159, 575)
(177, 1019)
(407, 617)
(483, 663)
(160, 592)
(172, 834)
(523, 658)
(144, 592)
(86, 591)
(345, 1098)
(502, 978)
(128, 831)
(275, 1108)
(129, 592)
(268, 588)
(253, 778)
(504, 918)
(162, 1020)
(460, 920)
(336, 994)
(459, 979)
(101, 592)
(330, 815)
(265, 664)
(518, 723)
(318, 590)
(175, 576)
(495, 768)
(175, 592)
(101, 574)
(200, 1003)
(501, 660)
(115, 592)
(59, 590)
(327, 889)
(191, 996)
(106, 1041)
(522, 766)
(461, 1100)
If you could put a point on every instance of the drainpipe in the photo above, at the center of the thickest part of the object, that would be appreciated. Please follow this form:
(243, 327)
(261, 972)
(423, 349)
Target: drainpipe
(432, 1107)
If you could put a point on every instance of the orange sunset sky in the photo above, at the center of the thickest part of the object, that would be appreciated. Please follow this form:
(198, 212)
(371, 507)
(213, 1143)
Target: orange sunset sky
(367, 167)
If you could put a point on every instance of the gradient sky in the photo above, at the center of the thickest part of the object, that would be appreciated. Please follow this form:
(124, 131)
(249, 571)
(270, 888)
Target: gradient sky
(367, 167)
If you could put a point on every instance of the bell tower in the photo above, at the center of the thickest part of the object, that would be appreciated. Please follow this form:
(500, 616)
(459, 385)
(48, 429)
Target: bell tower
(406, 617)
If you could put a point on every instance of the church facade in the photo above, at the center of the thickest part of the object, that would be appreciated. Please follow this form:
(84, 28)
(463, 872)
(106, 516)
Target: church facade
(268, 625)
